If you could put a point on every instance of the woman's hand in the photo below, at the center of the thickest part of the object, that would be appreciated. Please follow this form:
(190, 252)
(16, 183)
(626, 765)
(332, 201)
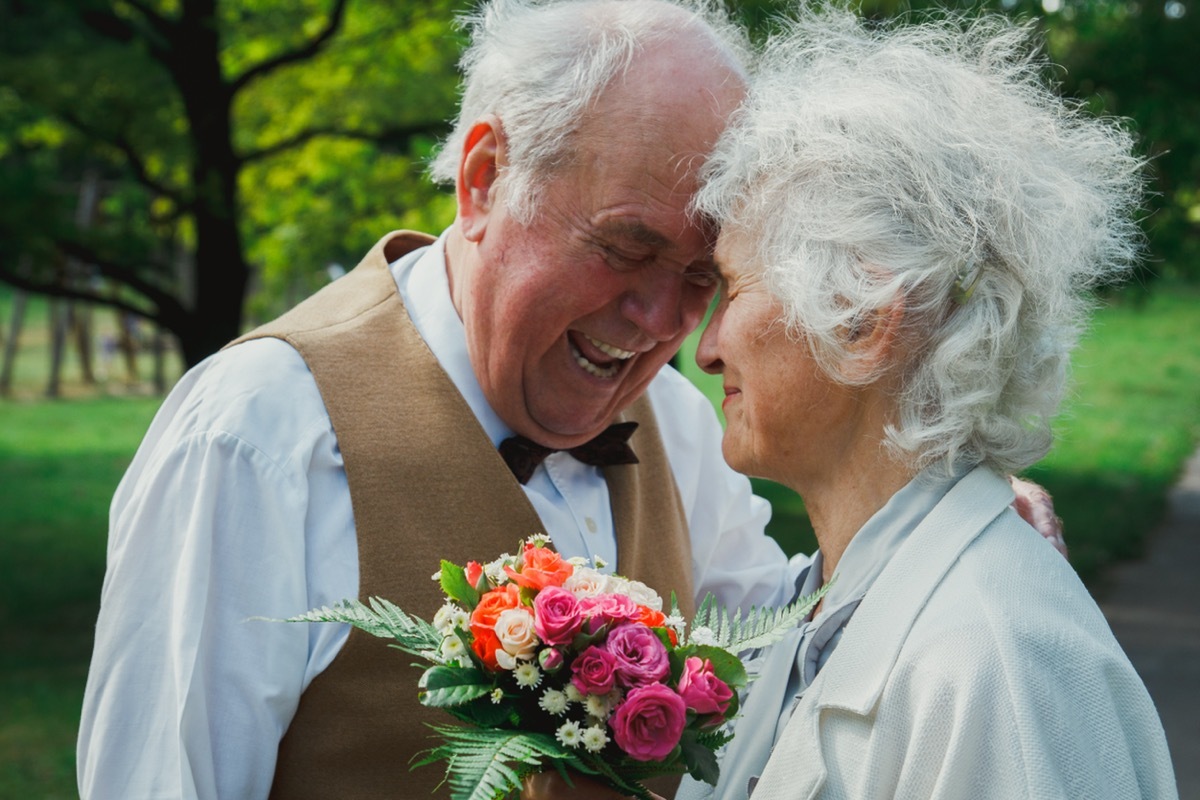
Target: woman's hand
(551, 786)
(1036, 507)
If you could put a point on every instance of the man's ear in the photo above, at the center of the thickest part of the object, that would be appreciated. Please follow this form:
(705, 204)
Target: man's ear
(482, 157)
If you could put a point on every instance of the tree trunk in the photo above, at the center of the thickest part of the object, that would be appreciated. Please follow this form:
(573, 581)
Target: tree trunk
(12, 343)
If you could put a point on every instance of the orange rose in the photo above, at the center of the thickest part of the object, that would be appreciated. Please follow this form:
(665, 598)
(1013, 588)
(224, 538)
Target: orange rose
(485, 645)
(483, 621)
(649, 617)
(655, 619)
(540, 567)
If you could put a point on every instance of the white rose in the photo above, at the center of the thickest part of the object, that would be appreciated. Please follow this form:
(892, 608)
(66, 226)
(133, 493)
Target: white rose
(585, 582)
(643, 595)
(615, 584)
(517, 635)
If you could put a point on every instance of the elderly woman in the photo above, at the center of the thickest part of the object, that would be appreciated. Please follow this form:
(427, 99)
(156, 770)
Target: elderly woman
(911, 222)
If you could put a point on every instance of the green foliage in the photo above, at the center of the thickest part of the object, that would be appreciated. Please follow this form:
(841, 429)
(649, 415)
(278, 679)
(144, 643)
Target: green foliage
(478, 760)
(384, 619)
(760, 627)
(457, 587)
(446, 686)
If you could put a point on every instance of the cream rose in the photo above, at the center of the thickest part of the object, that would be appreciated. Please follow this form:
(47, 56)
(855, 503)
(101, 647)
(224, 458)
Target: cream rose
(516, 632)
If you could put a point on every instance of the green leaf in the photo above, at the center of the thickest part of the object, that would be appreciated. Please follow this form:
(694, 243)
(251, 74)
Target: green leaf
(452, 686)
(486, 764)
(457, 587)
(700, 759)
(384, 619)
(759, 628)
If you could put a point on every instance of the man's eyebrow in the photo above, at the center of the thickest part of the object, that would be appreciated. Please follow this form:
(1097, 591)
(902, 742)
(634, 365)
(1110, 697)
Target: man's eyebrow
(638, 232)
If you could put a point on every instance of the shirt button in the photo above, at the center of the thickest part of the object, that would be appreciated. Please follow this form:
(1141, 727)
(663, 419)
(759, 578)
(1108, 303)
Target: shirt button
(591, 524)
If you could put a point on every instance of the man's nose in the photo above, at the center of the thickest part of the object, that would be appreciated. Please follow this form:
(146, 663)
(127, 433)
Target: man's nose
(658, 304)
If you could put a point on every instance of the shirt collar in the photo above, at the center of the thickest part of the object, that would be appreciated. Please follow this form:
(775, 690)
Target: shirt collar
(425, 289)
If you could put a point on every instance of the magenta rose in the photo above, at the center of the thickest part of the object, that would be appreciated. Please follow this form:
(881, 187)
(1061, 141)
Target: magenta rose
(702, 691)
(557, 615)
(641, 657)
(606, 608)
(594, 671)
(648, 724)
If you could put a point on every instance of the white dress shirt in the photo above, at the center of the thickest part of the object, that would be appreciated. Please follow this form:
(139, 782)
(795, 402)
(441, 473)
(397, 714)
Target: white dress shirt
(236, 506)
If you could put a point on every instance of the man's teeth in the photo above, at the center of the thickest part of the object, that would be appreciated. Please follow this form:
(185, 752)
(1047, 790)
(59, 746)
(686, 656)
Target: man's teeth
(609, 350)
(596, 369)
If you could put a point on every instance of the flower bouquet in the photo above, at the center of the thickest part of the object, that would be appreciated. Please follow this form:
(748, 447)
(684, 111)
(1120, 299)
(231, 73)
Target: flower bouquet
(556, 665)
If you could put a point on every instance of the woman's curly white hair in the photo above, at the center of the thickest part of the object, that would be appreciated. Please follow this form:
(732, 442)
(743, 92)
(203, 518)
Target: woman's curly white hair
(928, 161)
(539, 64)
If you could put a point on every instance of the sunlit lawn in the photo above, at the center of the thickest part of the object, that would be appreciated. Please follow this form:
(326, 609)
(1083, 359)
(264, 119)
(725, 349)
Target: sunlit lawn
(1134, 418)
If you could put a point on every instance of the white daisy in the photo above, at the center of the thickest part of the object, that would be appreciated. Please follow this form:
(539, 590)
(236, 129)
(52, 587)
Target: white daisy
(554, 702)
(453, 648)
(449, 617)
(527, 675)
(594, 739)
(568, 734)
(702, 635)
(597, 706)
(497, 694)
(573, 694)
(538, 540)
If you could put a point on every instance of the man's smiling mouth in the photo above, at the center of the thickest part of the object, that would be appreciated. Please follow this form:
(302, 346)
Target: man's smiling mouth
(606, 369)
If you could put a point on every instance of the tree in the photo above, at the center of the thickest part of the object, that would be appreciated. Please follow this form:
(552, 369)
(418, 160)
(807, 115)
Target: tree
(219, 129)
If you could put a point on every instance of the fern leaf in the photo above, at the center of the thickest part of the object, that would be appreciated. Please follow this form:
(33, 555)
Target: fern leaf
(486, 764)
(384, 619)
(759, 628)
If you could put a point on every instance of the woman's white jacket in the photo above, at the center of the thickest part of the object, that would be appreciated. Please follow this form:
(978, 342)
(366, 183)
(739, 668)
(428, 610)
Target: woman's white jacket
(977, 666)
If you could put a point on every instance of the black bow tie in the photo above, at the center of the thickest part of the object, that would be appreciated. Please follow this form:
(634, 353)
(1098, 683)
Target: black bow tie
(609, 448)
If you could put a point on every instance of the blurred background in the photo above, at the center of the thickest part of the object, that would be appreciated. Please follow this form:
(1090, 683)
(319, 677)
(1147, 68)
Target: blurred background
(173, 172)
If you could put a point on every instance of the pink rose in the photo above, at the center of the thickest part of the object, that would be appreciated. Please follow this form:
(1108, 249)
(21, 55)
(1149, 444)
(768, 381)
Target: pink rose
(647, 726)
(640, 655)
(606, 608)
(702, 691)
(558, 616)
(594, 671)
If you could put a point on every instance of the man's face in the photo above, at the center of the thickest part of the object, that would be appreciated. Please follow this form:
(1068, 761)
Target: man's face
(569, 317)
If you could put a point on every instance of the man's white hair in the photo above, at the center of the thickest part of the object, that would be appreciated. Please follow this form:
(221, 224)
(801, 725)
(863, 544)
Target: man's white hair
(930, 163)
(539, 64)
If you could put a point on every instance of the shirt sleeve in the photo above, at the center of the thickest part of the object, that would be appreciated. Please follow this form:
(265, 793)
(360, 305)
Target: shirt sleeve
(732, 555)
(217, 521)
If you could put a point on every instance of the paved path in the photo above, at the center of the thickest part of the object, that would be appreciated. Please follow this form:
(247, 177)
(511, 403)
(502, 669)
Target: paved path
(1153, 606)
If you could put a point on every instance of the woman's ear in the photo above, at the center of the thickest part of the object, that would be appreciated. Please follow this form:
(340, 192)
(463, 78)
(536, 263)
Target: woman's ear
(873, 342)
(483, 156)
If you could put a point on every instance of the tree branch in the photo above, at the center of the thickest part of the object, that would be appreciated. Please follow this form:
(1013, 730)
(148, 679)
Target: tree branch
(117, 272)
(310, 49)
(54, 289)
(110, 26)
(120, 143)
(399, 137)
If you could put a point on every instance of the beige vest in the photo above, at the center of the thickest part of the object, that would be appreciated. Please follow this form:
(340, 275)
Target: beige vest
(426, 483)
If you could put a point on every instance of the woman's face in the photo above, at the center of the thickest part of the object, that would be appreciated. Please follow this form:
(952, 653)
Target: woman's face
(784, 417)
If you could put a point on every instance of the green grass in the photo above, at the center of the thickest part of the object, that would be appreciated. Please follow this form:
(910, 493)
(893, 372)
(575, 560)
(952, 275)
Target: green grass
(1132, 420)
(59, 464)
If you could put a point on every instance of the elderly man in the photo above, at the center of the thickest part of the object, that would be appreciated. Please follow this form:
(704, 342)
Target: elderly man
(343, 449)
